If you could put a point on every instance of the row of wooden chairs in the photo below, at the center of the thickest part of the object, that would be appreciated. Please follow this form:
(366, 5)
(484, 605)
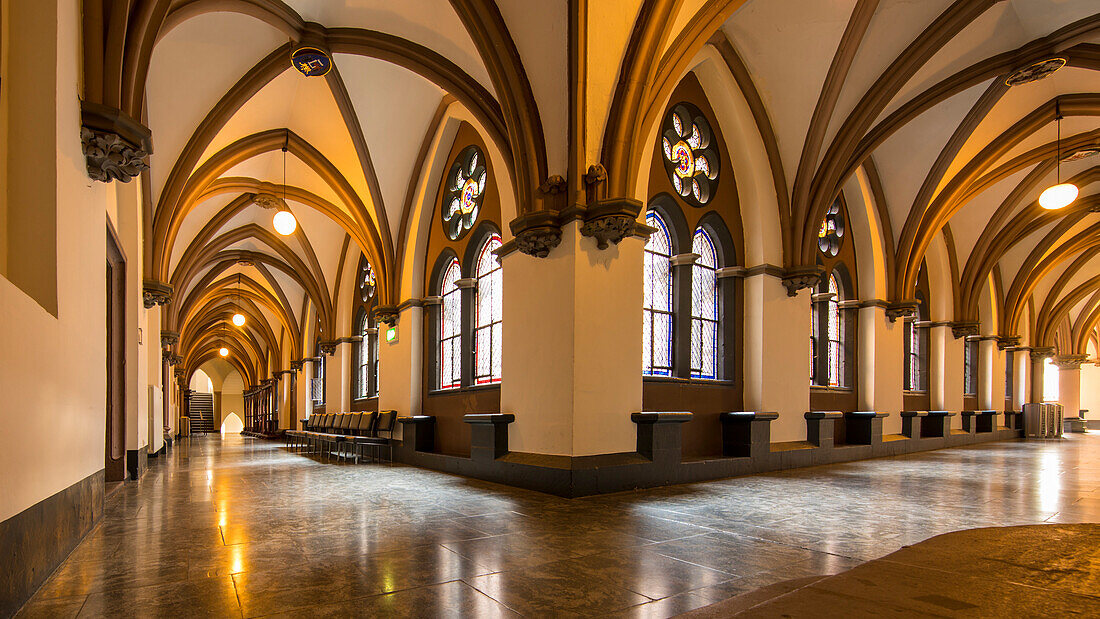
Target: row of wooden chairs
(345, 434)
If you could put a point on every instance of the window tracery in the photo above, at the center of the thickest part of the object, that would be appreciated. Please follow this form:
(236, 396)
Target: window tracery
(466, 183)
(657, 300)
(691, 163)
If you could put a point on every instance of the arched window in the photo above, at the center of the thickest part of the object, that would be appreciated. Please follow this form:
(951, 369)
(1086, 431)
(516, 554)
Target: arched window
(970, 367)
(366, 360)
(827, 346)
(657, 300)
(317, 386)
(487, 314)
(1050, 381)
(704, 307)
(450, 329)
(916, 349)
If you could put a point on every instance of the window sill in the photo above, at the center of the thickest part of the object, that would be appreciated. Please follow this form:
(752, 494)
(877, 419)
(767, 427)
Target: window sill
(908, 392)
(820, 389)
(717, 382)
(464, 389)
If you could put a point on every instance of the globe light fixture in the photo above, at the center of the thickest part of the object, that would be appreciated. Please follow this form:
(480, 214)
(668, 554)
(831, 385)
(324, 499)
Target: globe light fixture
(238, 319)
(284, 223)
(224, 351)
(1061, 194)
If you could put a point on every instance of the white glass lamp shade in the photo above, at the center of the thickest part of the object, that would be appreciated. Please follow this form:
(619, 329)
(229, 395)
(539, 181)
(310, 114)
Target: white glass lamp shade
(1058, 196)
(238, 319)
(224, 351)
(284, 223)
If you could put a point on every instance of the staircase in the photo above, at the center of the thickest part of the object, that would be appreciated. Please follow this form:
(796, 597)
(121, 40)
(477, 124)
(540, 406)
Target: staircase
(201, 411)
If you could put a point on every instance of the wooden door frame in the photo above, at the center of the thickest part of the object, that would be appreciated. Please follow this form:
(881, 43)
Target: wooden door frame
(115, 411)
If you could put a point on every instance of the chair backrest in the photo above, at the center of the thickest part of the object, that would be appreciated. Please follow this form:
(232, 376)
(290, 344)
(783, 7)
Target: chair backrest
(345, 419)
(386, 421)
(366, 428)
(329, 417)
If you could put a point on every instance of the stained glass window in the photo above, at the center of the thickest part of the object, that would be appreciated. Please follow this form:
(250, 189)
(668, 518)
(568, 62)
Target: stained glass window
(704, 307)
(465, 192)
(487, 324)
(831, 233)
(318, 383)
(657, 300)
(366, 351)
(914, 365)
(450, 329)
(970, 367)
(1010, 359)
(836, 335)
(691, 162)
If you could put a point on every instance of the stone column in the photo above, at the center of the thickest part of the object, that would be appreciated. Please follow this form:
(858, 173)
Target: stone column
(1038, 373)
(1021, 366)
(400, 362)
(941, 367)
(681, 278)
(991, 377)
(777, 351)
(467, 291)
(1069, 382)
(572, 346)
(881, 363)
(338, 378)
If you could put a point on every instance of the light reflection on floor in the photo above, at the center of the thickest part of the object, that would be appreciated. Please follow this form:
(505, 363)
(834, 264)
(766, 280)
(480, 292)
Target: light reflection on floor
(237, 526)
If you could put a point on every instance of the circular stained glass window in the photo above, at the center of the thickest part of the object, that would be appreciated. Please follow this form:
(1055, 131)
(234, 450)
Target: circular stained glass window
(366, 281)
(690, 159)
(465, 192)
(831, 233)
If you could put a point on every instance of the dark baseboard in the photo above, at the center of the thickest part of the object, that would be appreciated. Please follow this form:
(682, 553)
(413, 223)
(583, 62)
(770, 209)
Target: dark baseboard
(588, 475)
(35, 541)
(137, 460)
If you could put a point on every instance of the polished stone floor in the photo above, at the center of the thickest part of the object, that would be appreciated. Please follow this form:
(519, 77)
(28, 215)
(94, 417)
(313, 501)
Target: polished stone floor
(234, 526)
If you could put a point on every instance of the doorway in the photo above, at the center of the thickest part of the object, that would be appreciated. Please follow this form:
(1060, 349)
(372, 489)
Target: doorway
(115, 451)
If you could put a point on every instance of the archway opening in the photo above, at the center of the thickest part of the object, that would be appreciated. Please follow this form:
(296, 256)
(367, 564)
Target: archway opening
(232, 424)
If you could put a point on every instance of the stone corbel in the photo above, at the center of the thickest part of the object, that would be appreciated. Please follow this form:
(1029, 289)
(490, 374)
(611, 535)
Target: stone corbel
(611, 221)
(328, 348)
(178, 373)
(596, 175)
(964, 329)
(296, 365)
(386, 314)
(1008, 341)
(169, 338)
(537, 233)
(115, 146)
(156, 293)
(902, 309)
(797, 278)
(1040, 353)
(1070, 362)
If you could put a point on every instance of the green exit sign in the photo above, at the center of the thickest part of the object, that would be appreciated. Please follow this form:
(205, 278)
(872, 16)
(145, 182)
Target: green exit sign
(391, 334)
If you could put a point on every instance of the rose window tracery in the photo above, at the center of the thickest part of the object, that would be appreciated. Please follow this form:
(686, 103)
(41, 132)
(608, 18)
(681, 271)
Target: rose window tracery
(831, 232)
(690, 160)
(466, 183)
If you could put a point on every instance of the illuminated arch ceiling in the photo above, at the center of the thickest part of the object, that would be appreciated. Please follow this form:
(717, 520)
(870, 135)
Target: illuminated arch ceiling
(910, 91)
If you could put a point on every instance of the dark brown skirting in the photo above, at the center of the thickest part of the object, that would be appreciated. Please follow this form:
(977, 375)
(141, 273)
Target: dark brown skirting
(35, 541)
(137, 460)
(583, 476)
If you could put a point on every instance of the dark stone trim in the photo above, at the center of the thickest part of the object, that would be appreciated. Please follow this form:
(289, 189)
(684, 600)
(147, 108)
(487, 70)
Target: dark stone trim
(797, 278)
(137, 460)
(35, 541)
(488, 435)
(765, 269)
(876, 303)
(964, 329)
(156, 293)
(744, 433)
(902, 309)
(407, 303)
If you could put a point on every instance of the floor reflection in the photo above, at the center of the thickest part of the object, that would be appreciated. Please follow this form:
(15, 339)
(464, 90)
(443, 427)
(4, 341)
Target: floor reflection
(235, 526)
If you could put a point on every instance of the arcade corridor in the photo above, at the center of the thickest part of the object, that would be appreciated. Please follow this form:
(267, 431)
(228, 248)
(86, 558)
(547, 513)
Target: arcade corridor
(227, 526)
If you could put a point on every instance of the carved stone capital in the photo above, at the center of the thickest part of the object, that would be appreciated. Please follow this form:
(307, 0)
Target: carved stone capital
(1070, 362)
(1007, 341)
(553, 185)
(328, 348)
(173, 359)
(178, 372)
(115, 146)
(611, 221)
(902, 309)
(169, 338)
(156, 293)
(964, 329)
(1038, 354)
(296, 366)
(797, 278)
(537, 233)
(596, 174)
(386, 314)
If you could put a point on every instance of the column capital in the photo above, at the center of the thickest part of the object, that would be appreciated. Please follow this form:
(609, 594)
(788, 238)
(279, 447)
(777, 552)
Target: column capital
(684, 260)
(386, 314)
(797, 278)
(902, 309)
(537, 233)
(115, 145)
(611, 221)
(1040, 353)
(1070, 362)
(156, 293)
(1008, 341)
(964, 328)
(169, 338)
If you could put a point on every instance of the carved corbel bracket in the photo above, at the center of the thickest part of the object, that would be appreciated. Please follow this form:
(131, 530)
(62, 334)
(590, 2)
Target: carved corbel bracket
(386, 314)
(902, 309)
(169, 338)
(178, 372)
(1040, 353)
(537, 233)
(596, 175)
(1070, 362)
(328, 348)
(611, 221)
(115, 146)
(1007, 341)
(797, 278)
(156, 293)
(296, 366)
(553, 185)
(964, 329)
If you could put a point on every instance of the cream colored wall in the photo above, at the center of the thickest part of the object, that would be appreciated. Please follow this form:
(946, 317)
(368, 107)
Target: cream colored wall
(953, 375)
(400, 364)
(881, 365)
(777, 351)
(232, 397)
(54, 379)
(1090, 390)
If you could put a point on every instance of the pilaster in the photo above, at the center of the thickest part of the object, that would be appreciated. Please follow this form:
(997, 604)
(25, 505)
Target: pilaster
(880, 362)
(400, 363)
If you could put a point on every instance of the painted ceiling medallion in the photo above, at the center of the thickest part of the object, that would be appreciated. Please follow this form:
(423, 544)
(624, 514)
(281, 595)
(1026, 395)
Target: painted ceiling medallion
(311, 61)
(465, 192)
(691, 163)
(831, 233)
(1082, 154)
(366, 281)
(1035, 72)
